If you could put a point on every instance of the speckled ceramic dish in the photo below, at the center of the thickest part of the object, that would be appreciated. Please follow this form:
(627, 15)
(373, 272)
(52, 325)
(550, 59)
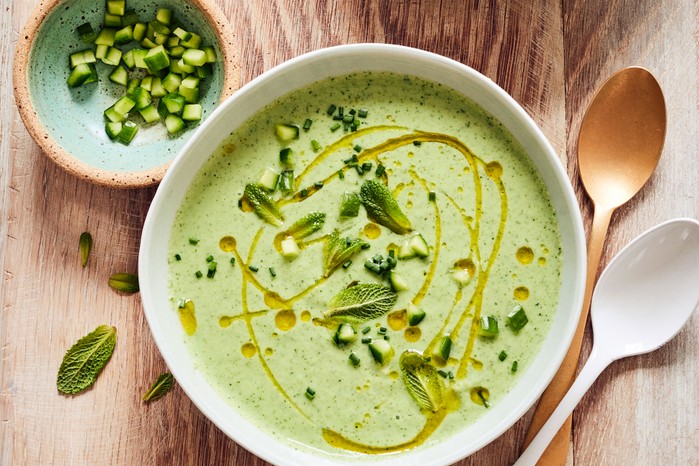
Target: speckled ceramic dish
(68, 123)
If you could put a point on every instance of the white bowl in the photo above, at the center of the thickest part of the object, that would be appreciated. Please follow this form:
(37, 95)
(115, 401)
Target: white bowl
(301, 72)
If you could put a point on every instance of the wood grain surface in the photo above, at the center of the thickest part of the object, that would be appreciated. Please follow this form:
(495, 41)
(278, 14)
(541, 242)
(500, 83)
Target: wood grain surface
(550, 55)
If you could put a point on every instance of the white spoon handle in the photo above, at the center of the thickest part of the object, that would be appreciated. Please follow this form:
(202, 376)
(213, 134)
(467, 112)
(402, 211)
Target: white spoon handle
(594, 366)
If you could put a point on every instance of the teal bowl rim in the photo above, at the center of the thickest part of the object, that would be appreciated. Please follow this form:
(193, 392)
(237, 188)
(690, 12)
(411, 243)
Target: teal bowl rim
(63, 158)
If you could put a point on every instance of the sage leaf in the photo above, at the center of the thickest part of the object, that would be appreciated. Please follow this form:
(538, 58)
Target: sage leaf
(422, 380)
(337, 251)
(382, 208)
(360, 303)
(126, 282)
(85, 247)
(160, 387)
(83, 362)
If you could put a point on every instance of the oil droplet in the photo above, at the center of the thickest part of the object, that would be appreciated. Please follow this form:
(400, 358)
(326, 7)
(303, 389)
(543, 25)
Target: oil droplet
(269, 351)
(397, 320)
(544, 249)
(480, 396)
(392, 247)
(248, 350)
(229, 148)
(227, 244)
(225, 321)
(409, 205)
(244, 205)
(372, 230)
(476, 364)
(525, 255)
(521, 293)
(394, 375)
(411, 154)
(542, 261)
(357, 425)
(273, 300)
(285, 319)
(396, 163)
(412, 334)
(460, 189)
(411, 194)
(305, 316)
(493, 170)
(466, 264)
(187, 317)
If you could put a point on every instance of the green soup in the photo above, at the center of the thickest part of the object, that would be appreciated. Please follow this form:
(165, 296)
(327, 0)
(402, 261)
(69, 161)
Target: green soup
(319, 372)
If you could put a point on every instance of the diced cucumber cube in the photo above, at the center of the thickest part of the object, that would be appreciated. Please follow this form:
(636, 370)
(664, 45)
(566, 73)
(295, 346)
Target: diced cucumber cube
(164, 16)
(113, 56)
(149, 113)
(79, 74)
(127, 133)
(112, 128)
(139, 56)
(177, 51)
(128, 59)
(286, 181)
(406, 251)
(113, 115)
(116, 7)
(286, 132)
(147, 83)
(174, 123)
(148, 43)
(488, 327)
(182, 35)
(130, 18)
(397, 282)
(269, 177)
(345, 334)
(142, 97)
(419, 245)
(124, 105)
(192, 112)
(290, 249)
(159, 28)
(157, 89)
(105, 37)
(204, 71)
(174, 102)
(132, 84)
(86, 33)
(157, 59)
(194, 57)
(124, 35)
(160, 39)
(184, 68)
(517, 318)
(191, 96)
(84, 56)
(119, 75)
(112, 21)
(381, 350)
(286, 157)
(172, 41)
(172, 82)
(101, 51)
(415, 314)
(194, 42)
(139, 32)
(210, 54)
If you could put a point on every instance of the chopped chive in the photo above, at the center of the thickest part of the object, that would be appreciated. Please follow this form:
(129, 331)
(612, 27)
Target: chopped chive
(502, 355)
(450, 374)
(391, 253)
(331, 109)
(212, 269)
(483, 399)
(178, 257)
(335, 127)
(417, 143)
(443, 373)
(354, 359)
(366, 340)
(362, 113)
(359, 169)
(348, 119)
(352, 111)
(366, 245)
(232, 260)
(348, 241)
(315, 145)
(310, 393)
(357, 148)
(307, 124)
(347, 264)
(193, 241)
(432, 196)
(347, 161)
(337, 117)
(209, 258)
(272, 272)
(366, 330)
(383, 329)
(366, 166)
(240, 203)
(181, 303)
(252, 268)
(318, 184)
(380, 169)
(341, 111)
(514, 366)
(198, 274)
(341, 174)
(386, 337)
(304, 192)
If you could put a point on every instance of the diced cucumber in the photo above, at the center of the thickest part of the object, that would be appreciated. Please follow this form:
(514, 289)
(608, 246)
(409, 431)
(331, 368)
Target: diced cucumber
(191, 96)
(287, 132)
(517, 318)
(116, 7)
(130, 18)
(127, 133)
(124, 105)
(139, 32)
(381, 350)
(147, 83)
(156, 59)
(112, 21)
(139, 56)
(159, 28)
(182, 35)
(174, 102)
(113, 116)
(101, 51)
(156, 88)
(286, 181)
(132, 84)
(171, 82)
(84, 56)
(112, 128)
(397, 282)
(443, 349)
(119, 76)
(290, 249)
(147, 43)
(80, 74)
(86, 33)
(164, 16)
(286, 157)
(194, 57)
(194, 42)
(406, 251)
(419, 245)
(177, 51)
(488, 326)
(172, 41)
(128, 59)
(345, 334)
(113, 56)
(204, 71)
(269, 177)
(174, 123)
(123, 35)
(184, 68)
(210, 54)
(150, 114)
(349, 206)
(105, 37)
(415, 314)
(93, 74)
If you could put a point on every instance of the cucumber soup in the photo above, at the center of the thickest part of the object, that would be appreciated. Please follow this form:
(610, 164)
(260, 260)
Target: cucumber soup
(366, 265)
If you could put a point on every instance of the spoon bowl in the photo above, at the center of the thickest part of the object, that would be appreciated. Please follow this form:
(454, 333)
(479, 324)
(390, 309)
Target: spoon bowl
(643, 299)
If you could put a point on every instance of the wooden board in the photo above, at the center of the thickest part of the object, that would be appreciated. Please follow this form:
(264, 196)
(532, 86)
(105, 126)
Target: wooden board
(549, 55)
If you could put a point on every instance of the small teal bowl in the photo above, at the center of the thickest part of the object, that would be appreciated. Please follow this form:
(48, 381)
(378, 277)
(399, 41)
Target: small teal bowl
(68, 123)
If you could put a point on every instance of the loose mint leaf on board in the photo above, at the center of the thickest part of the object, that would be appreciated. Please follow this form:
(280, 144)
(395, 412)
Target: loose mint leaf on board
(84, 361)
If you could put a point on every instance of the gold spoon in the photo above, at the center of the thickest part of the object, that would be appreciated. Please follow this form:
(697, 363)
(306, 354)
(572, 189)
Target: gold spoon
(619, 146)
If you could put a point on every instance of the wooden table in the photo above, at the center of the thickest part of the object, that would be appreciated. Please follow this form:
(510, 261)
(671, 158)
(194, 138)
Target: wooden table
(550, 57)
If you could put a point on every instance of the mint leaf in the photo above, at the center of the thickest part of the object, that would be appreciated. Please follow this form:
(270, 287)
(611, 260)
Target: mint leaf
(422, 380)
(337, 251)
(126, 282)
(361, 303)
(160, 387)
(85, 247)
(263, 205)
(83, 362)
(382, 208)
